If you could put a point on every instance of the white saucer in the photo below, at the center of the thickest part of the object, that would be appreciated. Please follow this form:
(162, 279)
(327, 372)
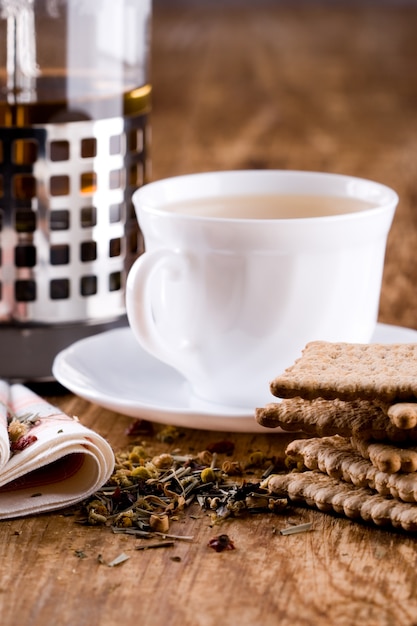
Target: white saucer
(111, 370)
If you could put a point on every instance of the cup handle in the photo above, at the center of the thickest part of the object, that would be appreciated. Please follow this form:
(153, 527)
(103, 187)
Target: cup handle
(141, 282)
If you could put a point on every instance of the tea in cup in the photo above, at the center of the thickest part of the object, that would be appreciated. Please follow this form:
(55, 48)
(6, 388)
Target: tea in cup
(242, 268)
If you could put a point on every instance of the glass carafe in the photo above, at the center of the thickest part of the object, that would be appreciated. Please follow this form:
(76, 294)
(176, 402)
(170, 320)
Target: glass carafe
(75, 101)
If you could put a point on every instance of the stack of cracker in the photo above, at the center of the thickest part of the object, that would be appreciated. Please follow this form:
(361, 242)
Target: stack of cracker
(358, 403)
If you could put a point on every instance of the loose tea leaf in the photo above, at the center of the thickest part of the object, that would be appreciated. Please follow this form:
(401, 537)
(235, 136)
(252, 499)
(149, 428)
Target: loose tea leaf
(300, 528)
(80, 554)
(160, 544)
(119, 560)
(147, 491)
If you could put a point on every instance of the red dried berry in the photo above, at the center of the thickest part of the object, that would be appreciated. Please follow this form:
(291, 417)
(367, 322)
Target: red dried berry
(221, 447)
(22, 443)
(139, 427)
(221, 543)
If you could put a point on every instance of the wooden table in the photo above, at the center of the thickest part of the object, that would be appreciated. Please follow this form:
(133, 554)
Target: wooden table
(252, 85)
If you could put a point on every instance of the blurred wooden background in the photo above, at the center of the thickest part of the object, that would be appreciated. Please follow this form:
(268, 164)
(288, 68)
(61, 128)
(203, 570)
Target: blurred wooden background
(310, 85)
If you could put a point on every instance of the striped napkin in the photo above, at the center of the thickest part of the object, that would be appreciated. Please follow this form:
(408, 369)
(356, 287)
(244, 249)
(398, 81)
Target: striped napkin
(48, 460)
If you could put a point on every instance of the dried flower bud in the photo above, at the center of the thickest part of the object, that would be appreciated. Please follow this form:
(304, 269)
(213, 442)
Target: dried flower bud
(122, 478)
(141, 472)
(137, 454)
(291, 463)
(257, 458)
(97, 506)
(236, 506)
(168, 434)
(17, 429)
(159, 523)
(277, 505)
(95, 519)
(163, 461)
(205, 457)
(208, 475)
(214, 502)
(97, 513)
(124, 520)
(154, 472)
(232, 468)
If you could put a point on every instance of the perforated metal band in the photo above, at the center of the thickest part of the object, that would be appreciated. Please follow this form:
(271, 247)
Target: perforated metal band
(68, 230)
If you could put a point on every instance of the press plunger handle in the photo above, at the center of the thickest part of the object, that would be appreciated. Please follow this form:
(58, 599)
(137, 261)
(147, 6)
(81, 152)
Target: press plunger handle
(21, 66)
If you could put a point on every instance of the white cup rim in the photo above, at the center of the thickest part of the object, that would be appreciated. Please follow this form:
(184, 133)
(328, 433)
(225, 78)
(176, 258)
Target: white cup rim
(155, 196)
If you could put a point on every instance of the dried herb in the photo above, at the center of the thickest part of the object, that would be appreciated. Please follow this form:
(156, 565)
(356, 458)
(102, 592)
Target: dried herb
(299, 528)
(80, 554)
(118, 560)
(147, 491)
(160, 544)
(168, 434)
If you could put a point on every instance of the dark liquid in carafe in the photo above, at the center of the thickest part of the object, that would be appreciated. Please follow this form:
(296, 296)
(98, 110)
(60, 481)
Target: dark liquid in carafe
(59, 99)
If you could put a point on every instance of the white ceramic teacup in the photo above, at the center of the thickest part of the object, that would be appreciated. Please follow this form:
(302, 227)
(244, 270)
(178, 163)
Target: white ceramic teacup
(243, 268)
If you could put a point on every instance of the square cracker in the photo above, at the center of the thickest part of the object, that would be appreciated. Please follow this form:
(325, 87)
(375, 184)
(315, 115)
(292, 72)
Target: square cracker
(324, 418)
(382, 372)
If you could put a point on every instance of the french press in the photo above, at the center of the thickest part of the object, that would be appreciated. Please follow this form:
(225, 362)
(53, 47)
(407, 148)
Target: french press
(74, 145)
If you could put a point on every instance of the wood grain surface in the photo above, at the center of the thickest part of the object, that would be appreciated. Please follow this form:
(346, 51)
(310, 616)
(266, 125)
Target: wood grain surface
(320, 86)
